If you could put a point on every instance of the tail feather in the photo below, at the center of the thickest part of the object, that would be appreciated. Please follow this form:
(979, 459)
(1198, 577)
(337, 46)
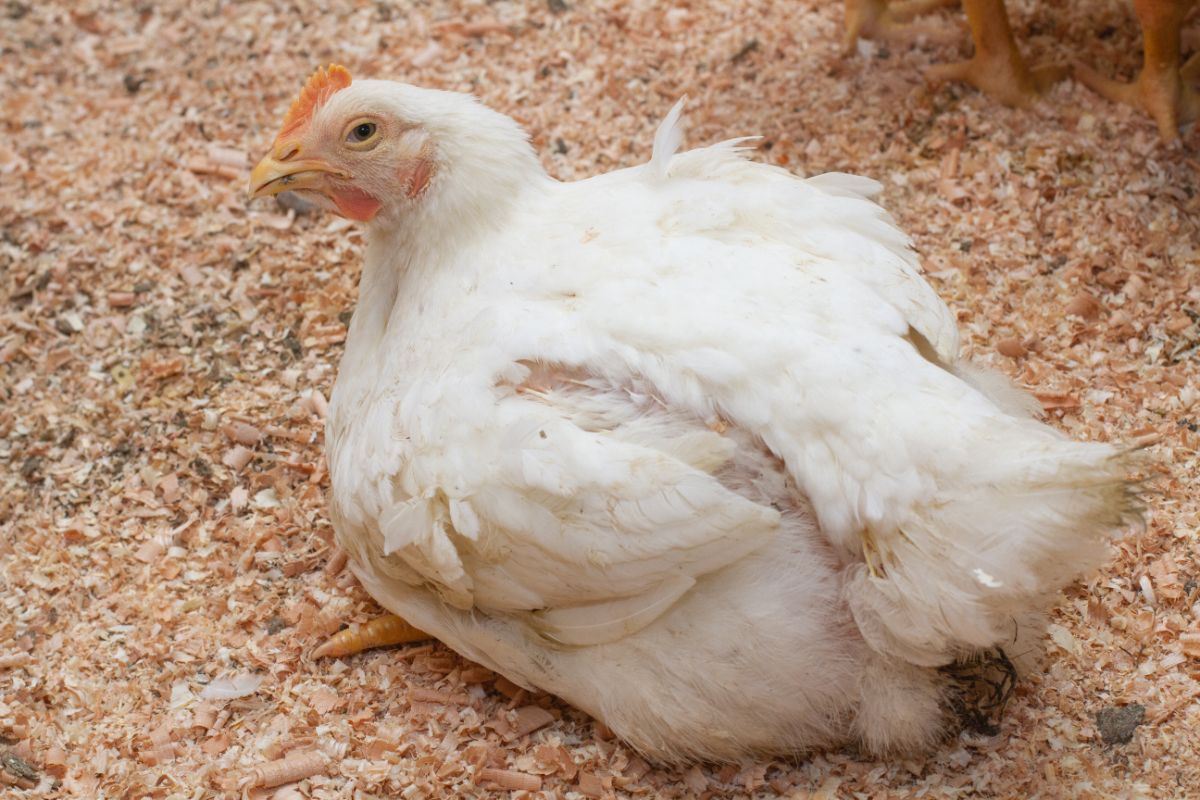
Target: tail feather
(1007, 537)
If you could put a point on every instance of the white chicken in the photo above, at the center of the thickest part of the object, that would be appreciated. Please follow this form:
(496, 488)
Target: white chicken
(688, 444)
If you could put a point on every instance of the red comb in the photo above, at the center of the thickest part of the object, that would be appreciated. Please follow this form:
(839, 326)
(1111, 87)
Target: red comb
(316, 92)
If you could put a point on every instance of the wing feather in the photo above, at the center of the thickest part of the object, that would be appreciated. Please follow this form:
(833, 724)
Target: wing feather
(589, 534)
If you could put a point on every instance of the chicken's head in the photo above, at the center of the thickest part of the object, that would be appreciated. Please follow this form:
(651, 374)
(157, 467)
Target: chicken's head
(379, 148)
(350, 152)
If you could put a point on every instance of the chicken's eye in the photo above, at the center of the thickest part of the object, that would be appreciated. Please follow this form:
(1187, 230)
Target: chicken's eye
(360, 133)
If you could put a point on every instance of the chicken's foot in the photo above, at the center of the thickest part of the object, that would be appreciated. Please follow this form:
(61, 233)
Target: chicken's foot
(884, 20)
(997, 68)
(379, 632)
(1163, 88)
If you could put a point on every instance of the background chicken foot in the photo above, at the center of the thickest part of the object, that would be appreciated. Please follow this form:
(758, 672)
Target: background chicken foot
(997, 68)
(1162, 89)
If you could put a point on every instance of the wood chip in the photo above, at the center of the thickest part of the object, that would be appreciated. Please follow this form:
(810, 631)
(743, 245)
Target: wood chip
(377, 749)
(1011, 347)
(555, 758)
(237, 457)
(1190, 643)
(508, 688)
(323, 700)
(510, 779)
(216, 745)
(162, 748)
(54, 761)
(14, 660)
(590, 784)
(150, 550)
(530, 719)
(695, 779)
(317, 403)
(418, 694)
(204, 716)
(242, 433)
(336, 563)
(294, 767)
(1083, 305)
(1054, 400)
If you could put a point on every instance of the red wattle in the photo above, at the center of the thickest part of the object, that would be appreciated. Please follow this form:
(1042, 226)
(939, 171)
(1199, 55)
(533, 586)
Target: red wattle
(356, 204)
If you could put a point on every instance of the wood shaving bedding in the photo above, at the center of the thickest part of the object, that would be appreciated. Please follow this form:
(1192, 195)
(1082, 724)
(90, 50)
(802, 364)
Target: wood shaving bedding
(166, 351)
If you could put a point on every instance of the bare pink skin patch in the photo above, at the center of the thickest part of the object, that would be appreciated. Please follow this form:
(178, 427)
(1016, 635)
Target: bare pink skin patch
(355, 204)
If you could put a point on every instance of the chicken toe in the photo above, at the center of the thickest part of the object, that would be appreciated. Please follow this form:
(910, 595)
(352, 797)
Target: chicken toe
(379, 632)
(1162, 89)
(997, 68)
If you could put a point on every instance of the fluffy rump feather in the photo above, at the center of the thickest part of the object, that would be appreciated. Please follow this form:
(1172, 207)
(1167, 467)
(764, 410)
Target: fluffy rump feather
(1018, 527)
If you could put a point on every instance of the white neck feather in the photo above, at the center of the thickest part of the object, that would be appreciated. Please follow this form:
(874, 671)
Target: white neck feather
(485, 168)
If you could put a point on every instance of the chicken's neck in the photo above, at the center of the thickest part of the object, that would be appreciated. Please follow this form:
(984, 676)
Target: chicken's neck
(485, 174)
(407, 261)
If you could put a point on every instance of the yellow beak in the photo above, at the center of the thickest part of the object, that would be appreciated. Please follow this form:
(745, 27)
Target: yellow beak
(272, 176)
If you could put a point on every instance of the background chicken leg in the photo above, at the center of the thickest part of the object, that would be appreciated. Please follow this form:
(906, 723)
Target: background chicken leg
(997, 67)
(1162, 89)
(881, 19)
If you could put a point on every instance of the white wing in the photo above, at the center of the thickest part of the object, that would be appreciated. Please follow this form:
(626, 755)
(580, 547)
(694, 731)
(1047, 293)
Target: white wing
(829, 216)
(585, 511)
